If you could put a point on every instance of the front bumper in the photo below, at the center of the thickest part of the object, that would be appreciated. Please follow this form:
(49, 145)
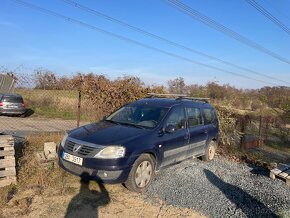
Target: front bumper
(105, 174)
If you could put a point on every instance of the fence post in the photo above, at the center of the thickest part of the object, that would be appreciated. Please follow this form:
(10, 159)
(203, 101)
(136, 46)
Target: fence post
(79, 109)
(260, 130)
(267, 128)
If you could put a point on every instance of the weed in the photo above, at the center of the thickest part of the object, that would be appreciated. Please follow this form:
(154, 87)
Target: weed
(7, 193)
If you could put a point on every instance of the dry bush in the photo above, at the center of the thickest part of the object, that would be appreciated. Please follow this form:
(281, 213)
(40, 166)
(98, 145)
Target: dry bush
(103, 96)
(229, 134)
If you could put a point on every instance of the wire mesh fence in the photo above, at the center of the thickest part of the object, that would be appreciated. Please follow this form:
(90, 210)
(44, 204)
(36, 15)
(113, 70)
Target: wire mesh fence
(6, 83)
(56, 104)
(47, 109)
(259, 129)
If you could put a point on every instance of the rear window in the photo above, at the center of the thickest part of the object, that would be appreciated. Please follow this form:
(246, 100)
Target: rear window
(12, 99)
(209, 116)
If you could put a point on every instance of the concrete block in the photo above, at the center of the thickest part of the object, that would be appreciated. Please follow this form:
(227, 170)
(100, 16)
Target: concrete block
(50, 150)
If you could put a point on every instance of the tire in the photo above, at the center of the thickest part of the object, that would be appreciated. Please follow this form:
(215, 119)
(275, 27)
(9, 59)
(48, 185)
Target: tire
(141, 174)
(210, 151)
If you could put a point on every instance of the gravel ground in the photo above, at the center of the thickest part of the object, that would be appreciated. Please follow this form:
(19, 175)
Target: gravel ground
(222, 188)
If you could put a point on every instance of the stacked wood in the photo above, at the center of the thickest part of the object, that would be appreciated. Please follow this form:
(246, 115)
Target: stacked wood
(282, 171)
(7, 161)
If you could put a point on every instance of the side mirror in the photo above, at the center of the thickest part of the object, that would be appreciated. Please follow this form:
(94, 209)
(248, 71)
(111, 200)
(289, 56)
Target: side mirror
(170, 128)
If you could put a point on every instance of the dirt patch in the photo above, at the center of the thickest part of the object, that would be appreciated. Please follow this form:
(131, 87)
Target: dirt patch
(88, 200)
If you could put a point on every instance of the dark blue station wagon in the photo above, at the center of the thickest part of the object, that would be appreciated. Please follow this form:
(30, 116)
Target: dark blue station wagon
(140, 138)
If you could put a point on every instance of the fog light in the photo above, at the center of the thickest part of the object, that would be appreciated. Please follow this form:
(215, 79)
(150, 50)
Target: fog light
(105, 174)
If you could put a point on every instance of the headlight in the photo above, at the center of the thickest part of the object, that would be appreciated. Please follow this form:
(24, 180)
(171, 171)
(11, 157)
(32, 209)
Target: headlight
(63, 140)
(111, 152)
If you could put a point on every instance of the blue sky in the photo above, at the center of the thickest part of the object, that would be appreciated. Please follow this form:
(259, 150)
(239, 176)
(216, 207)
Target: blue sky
(33, 39)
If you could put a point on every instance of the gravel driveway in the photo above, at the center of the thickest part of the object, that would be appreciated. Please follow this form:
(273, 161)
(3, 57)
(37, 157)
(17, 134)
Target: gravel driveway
(222, 188)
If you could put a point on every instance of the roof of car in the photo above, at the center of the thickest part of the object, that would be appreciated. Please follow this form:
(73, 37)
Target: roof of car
(170, 102)
(10, 95)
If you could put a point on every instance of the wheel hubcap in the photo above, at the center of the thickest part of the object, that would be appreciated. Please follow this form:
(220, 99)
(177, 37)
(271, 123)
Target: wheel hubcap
(211, 152)
(143, 174)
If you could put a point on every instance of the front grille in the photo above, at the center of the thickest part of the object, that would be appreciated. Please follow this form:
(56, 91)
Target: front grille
(84, 150)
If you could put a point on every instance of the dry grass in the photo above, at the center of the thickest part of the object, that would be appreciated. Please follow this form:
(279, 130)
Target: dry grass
(32, 171)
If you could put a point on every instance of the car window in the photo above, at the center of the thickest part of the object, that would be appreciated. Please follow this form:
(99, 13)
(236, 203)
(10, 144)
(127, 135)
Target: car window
(140, 115)
(176, 118)
(124, 114)
(194, 117)
(209, 116)
(12, 99)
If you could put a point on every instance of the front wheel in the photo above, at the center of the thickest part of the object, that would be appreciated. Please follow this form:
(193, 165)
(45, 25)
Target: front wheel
(210, 151)
(141, 174)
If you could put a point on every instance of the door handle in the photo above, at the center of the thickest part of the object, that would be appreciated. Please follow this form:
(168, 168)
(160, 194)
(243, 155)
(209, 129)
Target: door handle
(205, 131)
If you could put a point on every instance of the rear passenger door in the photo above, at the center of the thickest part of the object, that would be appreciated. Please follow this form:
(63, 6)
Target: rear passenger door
(197, 132)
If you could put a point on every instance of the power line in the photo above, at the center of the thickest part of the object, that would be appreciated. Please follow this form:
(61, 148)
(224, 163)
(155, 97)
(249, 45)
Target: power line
(268, 15)
(144, 32)
(223, 29)
(269, 2)
(80, 23)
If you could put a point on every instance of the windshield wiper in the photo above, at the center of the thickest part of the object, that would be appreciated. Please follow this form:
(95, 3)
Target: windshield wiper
(112, 121)
(132, 124)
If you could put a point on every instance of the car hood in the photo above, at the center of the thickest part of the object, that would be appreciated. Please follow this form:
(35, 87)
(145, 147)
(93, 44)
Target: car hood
(105, 133)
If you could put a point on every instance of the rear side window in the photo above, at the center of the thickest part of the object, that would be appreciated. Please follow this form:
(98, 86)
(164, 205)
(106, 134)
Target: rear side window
(209, 116)
(194, 117)
(12, 99)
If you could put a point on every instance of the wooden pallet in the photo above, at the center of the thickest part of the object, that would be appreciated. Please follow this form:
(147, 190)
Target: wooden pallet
(7, 161)
(282, 171)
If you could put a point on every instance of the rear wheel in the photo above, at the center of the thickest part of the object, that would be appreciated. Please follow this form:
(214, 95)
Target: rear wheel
(210, 151)
(141, 174)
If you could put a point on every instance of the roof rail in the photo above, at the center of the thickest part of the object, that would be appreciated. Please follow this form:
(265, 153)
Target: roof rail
(193, 99)
(151, 95)
(178, 97)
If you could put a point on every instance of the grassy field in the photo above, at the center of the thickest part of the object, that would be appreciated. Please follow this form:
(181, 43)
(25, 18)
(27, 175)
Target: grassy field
(51, 103)
(33, 93)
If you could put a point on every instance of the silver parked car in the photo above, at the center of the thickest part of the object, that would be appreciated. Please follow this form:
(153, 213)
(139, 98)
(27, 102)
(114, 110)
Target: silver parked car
(12, 104)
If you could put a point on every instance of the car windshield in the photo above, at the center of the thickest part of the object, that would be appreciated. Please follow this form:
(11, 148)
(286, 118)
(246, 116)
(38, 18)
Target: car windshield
(142, 116)
(12, 99)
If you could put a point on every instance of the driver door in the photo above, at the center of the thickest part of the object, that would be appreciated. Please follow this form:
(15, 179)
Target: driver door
(174, 144)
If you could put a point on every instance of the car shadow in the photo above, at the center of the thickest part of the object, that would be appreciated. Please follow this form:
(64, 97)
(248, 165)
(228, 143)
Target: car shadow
(28, 112)
(249, 205)
(87, 201)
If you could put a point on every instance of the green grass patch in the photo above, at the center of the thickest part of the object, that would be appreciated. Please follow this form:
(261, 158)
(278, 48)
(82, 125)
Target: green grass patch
(54, 113)
(278, 145)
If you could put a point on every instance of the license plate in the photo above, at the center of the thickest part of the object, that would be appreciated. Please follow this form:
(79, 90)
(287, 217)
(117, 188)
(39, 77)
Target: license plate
(72, 158)
(12, 106)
